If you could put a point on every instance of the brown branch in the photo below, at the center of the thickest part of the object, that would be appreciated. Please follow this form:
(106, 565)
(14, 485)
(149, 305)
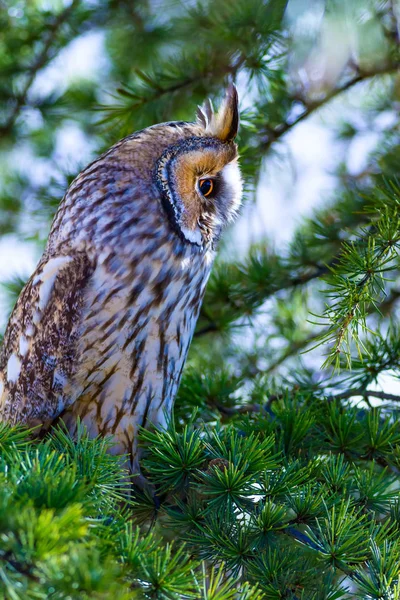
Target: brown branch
(243, 409)
(291, 282)
(159, 91)
(365, 393)
(291, 350)
(387, 305)
(212, 327)
(231, 411)
(39, 62)
(273, 135)
(23, 569)
(385, 308)
(303, 279)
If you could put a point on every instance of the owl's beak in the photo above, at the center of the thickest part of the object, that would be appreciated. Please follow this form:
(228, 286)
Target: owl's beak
(225, 123)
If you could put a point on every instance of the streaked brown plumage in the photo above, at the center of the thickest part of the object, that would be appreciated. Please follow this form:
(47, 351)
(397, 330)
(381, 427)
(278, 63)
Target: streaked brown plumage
(102, 329)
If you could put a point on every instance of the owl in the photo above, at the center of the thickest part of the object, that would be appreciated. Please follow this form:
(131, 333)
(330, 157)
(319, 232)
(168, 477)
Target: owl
(101, 331)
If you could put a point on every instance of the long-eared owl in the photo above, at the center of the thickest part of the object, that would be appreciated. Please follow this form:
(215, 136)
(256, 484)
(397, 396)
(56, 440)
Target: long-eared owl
(101, 330)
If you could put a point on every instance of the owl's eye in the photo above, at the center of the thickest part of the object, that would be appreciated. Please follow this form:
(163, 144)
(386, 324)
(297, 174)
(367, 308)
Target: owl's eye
(206, 187)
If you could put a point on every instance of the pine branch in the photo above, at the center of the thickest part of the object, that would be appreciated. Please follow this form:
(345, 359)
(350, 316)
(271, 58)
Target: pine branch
(237, 290)
(150, 91)
(294, 348)
(357, 282)
(273, 135)
(281, 483)
(38, 63)
(287, 282)
(365, 393)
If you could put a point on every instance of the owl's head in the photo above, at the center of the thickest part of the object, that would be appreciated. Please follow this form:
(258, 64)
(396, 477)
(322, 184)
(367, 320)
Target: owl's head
(198, 175)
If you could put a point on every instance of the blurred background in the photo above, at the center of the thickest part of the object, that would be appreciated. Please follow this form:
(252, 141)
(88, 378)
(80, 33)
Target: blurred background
(319, 95)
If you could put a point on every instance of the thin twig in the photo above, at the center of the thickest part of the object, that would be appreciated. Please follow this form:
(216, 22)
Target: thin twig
(291, 282)
(295, 347)
(39, 62)
(291, 350)
(365, 393)
(273, 135)
(301, 537)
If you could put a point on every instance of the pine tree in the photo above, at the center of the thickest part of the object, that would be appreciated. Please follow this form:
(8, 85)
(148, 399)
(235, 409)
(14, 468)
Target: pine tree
(278, 476)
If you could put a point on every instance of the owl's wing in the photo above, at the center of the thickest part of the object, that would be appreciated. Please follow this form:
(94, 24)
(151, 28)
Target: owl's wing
(37, 357)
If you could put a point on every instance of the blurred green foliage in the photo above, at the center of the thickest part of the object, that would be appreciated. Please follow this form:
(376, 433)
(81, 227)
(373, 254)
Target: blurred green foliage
(273, 473)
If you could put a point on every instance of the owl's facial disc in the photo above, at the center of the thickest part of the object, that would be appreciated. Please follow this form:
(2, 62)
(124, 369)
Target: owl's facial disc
(201, 187)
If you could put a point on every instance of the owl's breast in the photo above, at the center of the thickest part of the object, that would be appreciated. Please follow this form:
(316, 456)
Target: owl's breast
(136, 327)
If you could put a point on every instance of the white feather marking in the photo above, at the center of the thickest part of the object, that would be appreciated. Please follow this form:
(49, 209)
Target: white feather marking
(13, 368)
(186, 262)
(233, 179)
(23, 345)
(47, 278)
(193, 236)
(103, 256)
(36, 317)
(30, 330)
(208, 260)
(59, 380)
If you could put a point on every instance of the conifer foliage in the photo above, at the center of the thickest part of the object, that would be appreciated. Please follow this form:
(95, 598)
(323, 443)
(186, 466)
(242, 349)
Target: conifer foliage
(278, 476)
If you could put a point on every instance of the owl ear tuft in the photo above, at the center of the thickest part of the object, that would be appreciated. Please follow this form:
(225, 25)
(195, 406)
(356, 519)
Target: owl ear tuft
(223, 124)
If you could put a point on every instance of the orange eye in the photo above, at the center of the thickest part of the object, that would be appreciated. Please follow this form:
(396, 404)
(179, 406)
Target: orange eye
(206, 187)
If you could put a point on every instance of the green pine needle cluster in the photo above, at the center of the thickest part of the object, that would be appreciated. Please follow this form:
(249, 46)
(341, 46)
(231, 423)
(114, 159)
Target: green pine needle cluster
(67, 529)
(299, 499)
(278, 475)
